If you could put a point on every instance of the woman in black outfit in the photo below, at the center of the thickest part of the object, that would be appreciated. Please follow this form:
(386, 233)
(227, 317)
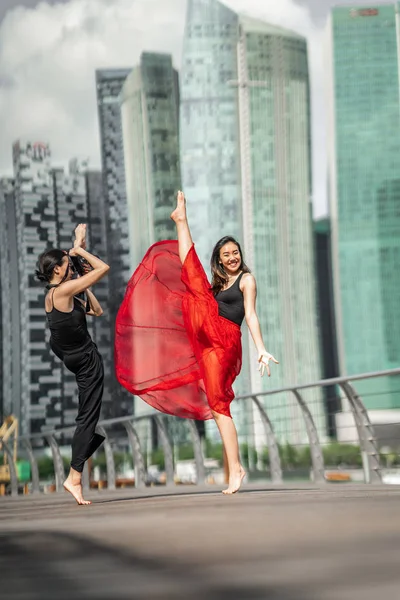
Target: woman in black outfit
(71, 342)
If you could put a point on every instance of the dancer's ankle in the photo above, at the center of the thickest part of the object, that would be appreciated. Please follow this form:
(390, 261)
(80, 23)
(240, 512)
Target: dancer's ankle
(74, 476)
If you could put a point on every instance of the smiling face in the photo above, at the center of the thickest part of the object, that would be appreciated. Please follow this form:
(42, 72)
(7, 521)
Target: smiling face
(230, 258)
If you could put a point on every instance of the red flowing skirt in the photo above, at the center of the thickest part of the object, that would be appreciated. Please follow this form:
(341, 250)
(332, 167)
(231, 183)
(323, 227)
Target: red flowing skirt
(172, 349)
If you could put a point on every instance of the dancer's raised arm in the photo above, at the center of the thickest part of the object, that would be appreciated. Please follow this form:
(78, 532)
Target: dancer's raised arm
(76, 286)
(95, 306)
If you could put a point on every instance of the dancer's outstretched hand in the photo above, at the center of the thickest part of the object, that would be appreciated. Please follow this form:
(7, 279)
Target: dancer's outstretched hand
(264, 363)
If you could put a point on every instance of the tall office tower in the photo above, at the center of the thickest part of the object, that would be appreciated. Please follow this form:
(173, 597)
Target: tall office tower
(364, 167)
(246, 164)
(70, 205)
(210, 145)
(103, 327)
(31, 208)
(9, 293)
(150, 122)
(80, 199)
(41, 209)
(210, 149)
(1, 344)
(109, 84)
(6, 347)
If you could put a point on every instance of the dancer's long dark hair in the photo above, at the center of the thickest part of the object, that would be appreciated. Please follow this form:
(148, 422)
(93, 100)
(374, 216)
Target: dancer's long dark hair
(47, 262)
(219, 276)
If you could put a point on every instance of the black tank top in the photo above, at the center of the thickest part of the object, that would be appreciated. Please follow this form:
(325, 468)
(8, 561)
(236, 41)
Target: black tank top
(231, 302)
(68, 331)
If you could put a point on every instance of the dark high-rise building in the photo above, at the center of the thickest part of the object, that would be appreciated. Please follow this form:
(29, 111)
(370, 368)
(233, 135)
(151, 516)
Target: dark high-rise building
(109, 83)
(326, 318)
(31, 218)
(103, 328)
(9, 283)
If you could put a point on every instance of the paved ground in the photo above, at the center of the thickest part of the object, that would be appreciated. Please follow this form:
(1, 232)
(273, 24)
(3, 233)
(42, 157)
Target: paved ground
(336, 543)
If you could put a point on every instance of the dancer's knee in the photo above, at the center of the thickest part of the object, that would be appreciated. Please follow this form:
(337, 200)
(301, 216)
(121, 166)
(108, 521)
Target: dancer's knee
(220, 416)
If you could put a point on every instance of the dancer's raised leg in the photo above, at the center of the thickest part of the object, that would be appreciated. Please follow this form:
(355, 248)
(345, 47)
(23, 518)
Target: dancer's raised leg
(182, 227)
(229, 437)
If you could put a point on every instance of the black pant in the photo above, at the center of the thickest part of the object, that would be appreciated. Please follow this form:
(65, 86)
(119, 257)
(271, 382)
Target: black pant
(87, 365)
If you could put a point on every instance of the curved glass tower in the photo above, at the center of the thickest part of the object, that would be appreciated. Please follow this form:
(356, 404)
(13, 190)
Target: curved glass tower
(210, 158)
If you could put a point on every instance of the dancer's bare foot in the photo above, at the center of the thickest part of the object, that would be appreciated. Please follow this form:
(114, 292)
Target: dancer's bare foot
(235, 481)
(75, 488)
(179, 213)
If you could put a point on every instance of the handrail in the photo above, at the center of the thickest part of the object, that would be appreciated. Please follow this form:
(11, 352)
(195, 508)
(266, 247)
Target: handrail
(324, 383)
(367, 439)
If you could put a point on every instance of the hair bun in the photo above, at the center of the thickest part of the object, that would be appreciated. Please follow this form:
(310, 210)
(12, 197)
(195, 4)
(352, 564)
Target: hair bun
(41, 276)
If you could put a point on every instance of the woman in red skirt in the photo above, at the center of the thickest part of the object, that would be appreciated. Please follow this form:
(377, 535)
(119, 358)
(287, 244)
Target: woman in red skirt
(178, 338)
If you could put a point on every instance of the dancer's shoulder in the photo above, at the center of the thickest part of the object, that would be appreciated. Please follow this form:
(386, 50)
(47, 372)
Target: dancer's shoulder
(247, 281)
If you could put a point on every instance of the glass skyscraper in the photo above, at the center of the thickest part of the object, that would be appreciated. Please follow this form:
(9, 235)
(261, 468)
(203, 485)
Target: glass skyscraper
(364, 167)
(246, 170)
(210, 158)
(150, 122)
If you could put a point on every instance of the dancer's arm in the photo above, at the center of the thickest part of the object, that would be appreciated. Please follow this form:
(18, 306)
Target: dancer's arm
(249, 289)
(99, 268)
(95, 306)
(76, 286)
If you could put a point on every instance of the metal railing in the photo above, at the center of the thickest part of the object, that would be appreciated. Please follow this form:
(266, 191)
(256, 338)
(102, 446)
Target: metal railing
(366, 438)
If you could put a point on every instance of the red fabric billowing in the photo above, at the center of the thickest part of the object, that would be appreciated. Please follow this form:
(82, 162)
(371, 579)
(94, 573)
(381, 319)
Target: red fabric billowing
(172, 349)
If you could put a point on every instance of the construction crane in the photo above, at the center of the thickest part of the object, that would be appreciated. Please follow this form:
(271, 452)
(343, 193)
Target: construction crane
(8, 431)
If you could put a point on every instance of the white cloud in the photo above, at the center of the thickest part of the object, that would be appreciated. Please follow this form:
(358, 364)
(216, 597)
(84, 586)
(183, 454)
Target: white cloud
(48, 56)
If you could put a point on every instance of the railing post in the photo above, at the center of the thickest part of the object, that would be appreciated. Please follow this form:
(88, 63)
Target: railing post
(57, 462)
(366, 435)
(11, 466)
(317, 458)
(138, 462)
(166, 444)
(109, 454)
(34, 468)
(198, 452)
(273, 450)
(86, 477)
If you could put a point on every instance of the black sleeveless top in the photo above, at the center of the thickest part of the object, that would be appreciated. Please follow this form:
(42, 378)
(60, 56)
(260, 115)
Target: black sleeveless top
(231, 302)
(68, 331)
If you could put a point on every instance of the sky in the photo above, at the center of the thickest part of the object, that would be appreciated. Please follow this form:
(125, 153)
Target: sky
(49, 52)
